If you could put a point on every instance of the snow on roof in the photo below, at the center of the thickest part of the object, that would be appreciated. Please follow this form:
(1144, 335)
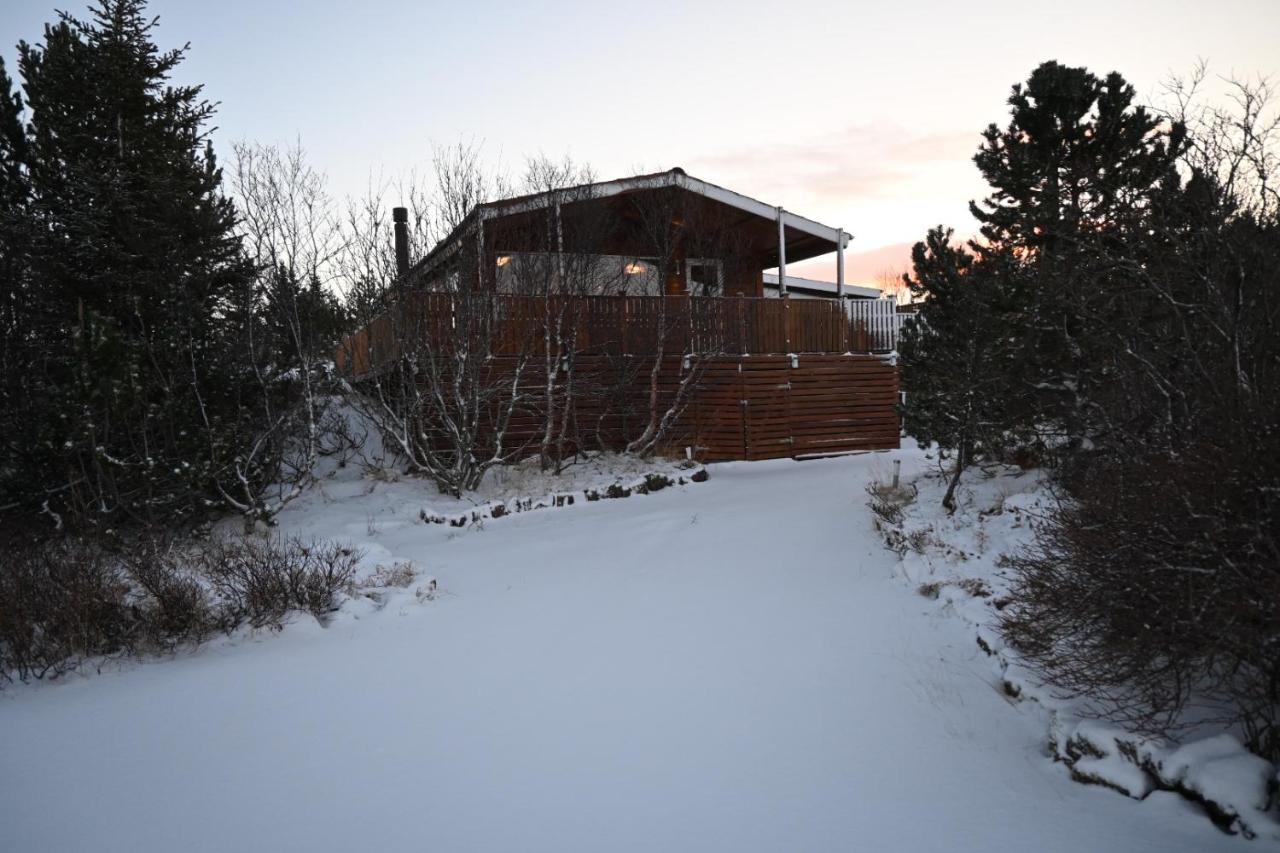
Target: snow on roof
(821, 288)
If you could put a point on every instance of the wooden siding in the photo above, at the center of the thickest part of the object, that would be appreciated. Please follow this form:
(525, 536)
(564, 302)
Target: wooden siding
(807, 406)
(773, 377)
(742, 407)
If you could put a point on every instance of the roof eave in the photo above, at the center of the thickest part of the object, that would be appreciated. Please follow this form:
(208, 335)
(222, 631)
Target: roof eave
(672, 178)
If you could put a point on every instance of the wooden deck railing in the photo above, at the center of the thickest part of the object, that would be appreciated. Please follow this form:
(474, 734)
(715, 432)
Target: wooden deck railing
(637, 325)
(880, 319)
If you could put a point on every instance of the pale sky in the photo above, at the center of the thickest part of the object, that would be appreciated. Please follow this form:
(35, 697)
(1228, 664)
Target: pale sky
(858, 114)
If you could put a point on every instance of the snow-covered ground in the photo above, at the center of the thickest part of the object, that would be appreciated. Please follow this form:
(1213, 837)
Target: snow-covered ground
(730, 665)
(956, 561)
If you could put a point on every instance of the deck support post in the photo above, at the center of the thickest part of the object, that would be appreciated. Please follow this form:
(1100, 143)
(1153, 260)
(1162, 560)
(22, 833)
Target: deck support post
(844, 314)
(782, 253)
(840, 267)
(782, 276)
(479, 255)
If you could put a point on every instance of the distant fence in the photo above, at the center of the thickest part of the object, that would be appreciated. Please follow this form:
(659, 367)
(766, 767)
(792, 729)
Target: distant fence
(627, 325)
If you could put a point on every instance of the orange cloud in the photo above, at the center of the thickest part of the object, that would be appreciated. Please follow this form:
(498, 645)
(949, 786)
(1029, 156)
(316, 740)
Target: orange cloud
(859, 267)
(860, 162)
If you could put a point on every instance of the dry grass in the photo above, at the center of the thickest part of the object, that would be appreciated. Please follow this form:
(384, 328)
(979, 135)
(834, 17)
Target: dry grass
(398, 575)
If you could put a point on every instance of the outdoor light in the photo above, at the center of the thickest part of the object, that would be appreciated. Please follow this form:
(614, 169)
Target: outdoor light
(635, 268)
(503, 260)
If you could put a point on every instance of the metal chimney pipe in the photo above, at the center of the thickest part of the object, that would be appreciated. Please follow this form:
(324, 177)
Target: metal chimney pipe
(400, 217)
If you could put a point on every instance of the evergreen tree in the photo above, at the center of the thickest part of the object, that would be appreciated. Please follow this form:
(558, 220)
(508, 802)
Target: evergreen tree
(133, 380)
(18, 340)
(950, 355)
(15, 192)
(303, 320)
(1077, 158)
(1073, 176)
(13, 146)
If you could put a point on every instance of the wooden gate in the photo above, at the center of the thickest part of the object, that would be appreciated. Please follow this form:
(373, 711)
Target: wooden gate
(769, 407)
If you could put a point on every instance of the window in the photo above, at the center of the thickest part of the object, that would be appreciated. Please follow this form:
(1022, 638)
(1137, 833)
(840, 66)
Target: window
(535, 273)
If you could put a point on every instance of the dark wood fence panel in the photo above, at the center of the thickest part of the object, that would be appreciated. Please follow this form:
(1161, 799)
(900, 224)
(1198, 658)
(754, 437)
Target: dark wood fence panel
(841, 403)
(636, 325)
(775, 377)
(817, 404)
(742, 407)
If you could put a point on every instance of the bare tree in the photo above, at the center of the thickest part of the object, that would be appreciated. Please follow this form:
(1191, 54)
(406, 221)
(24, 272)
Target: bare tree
(290, 321)
(461, 181)
(562, 266)
(365, 267)
(444, 376)
(678, 231)
(1232, 137)
(893, 284)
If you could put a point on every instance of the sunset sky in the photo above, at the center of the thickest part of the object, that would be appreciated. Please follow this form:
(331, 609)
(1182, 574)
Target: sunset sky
(861, 115)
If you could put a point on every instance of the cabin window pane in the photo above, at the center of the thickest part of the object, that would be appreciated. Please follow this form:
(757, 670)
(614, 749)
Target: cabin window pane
(536, 273)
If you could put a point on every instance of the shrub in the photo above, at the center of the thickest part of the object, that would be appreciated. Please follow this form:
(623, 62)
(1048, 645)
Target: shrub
(395, 575)
(60, 603)
(173, 606)
(63, 602)
(260, 580)
(1156, 591)
(888, 501)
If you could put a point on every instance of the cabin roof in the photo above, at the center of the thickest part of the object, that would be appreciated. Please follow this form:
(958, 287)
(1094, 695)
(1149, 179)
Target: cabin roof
(809, 237)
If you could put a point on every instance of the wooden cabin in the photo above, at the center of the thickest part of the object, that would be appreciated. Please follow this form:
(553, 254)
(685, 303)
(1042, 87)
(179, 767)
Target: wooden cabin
(699, 238)
(670, 268)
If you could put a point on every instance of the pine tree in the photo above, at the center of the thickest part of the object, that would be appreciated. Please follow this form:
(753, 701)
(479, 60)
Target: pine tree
(134, 270)
(18, 338)
(951, 354)
(1077, 158)
(13, 145)
(15, 192)
(303, 320)
(1073, 176)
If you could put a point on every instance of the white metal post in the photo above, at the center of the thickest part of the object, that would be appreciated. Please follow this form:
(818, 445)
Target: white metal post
(840, 268)
(782, 252)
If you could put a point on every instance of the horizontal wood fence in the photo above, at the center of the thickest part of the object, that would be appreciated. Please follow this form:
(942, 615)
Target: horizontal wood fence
(769, 378)
(623, 325)
(767, 407)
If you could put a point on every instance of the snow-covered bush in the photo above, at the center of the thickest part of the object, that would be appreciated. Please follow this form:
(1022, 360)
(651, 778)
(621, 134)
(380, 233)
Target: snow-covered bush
(60, 603)
(976, 563)
(1164, 612)
(888, 500)
(399, 574)
(67, 602)
(261, 580)
(173, 606)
